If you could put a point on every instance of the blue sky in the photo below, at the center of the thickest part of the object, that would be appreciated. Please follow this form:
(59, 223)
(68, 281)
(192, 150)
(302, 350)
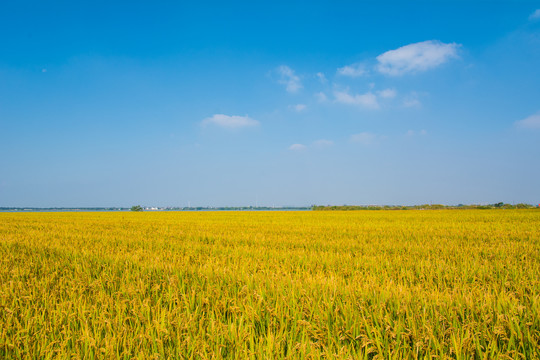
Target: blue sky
(277, 103)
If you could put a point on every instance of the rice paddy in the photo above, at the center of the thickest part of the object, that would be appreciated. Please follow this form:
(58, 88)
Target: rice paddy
(456, 284)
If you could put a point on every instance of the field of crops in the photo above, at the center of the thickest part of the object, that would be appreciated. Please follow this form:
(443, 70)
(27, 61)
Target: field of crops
(360, 285)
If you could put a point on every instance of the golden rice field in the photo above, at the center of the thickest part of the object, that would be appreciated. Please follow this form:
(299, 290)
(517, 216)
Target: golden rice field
(264, 285)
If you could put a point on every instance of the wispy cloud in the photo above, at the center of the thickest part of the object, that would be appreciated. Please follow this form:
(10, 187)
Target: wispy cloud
(297, 147)
(412, 100)
(530, 122)
(364, 138)
(298, 107)
(367, 100)
(387, 93)
(289, 79)
(323, 143)
(413, 133)
(416, 57)
(231, 122)
(321, 97)
(535, 15)
(321, 77)
(353, 70)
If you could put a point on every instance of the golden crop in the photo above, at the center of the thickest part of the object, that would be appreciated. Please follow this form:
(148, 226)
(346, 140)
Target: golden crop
(359, 285)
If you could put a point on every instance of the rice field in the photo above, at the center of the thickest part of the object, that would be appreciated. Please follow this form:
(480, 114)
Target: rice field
(447, 284)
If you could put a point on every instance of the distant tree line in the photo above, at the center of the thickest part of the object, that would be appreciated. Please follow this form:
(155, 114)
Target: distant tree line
(499, 205)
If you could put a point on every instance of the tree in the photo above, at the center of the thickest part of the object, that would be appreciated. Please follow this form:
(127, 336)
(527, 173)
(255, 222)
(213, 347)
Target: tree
(137, 208)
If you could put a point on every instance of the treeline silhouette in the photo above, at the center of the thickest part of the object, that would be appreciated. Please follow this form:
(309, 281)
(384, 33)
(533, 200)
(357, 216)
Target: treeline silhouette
(499, 205)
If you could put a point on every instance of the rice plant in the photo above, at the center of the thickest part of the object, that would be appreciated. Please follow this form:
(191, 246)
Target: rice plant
(270, 285)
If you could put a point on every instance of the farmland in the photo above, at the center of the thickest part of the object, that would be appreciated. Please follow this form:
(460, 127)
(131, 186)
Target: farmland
(330, 284)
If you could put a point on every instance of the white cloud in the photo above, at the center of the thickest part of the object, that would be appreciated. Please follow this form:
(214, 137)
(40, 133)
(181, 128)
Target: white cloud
(298, 107)
(412, 100)
(531, 122)
(321, 77)
(364, 138)
(413, 133)
(416, 57)
(387, 93)
(535, 15)
(321, 97)
(289, 79)
(367, 100)
(353, 70)
(231, 122)
(323, 143)
(297, 147)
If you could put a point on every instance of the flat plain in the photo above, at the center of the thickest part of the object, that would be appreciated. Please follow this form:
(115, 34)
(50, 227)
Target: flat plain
(299, 285)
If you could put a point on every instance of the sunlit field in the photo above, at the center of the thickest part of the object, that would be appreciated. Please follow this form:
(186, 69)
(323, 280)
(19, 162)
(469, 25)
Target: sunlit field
(457, 284)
